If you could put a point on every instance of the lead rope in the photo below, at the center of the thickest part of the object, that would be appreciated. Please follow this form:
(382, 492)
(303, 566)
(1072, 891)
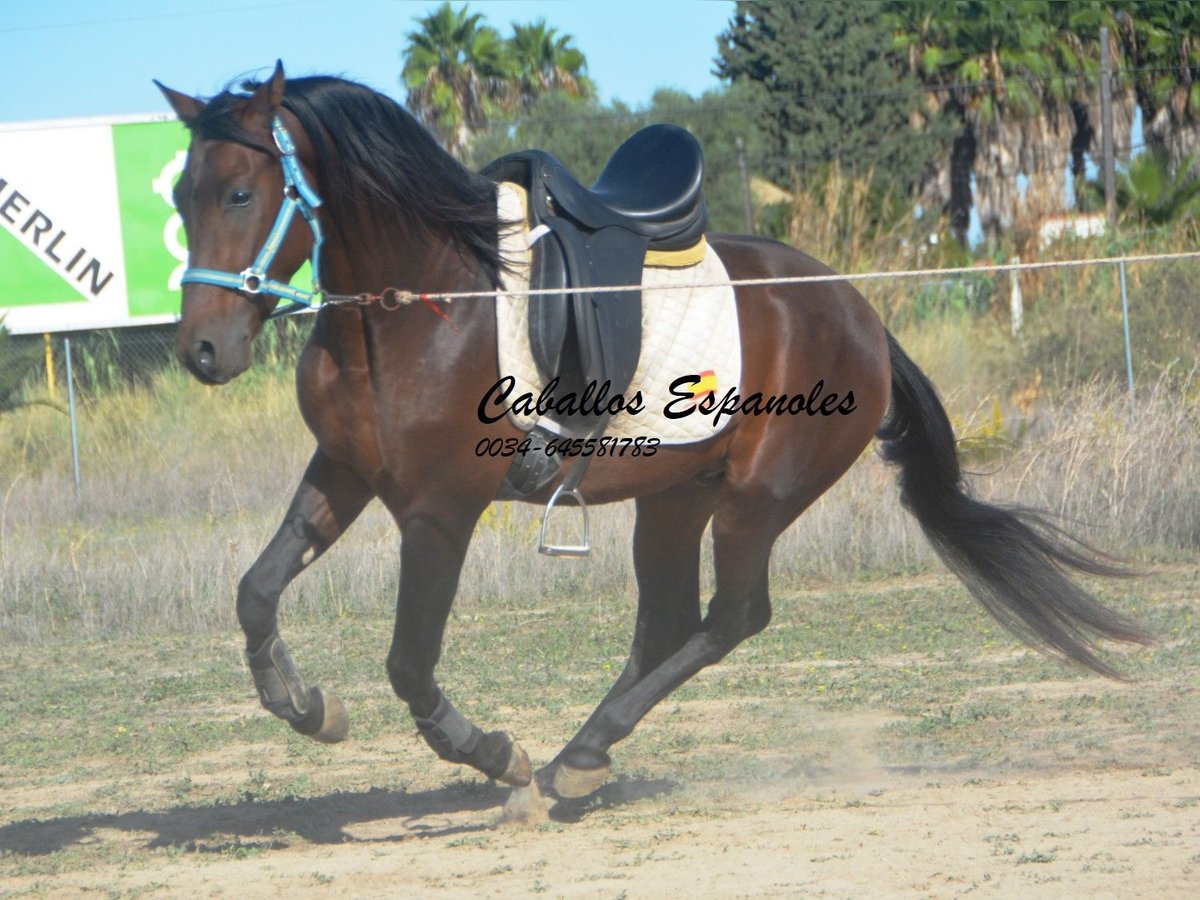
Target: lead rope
(389, 299)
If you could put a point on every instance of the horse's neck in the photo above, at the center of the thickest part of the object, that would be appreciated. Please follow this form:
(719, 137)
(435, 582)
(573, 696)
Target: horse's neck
(416, 263)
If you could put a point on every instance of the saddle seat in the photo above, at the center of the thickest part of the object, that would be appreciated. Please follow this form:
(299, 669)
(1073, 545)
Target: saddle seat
(656, 178)
(652, 186)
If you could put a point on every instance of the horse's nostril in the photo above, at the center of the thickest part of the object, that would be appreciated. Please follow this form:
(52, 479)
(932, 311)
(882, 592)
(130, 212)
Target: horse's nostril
(206, 357)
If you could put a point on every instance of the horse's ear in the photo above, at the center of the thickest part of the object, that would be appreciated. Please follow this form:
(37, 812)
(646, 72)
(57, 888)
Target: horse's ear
(187, 108)
(268, 96)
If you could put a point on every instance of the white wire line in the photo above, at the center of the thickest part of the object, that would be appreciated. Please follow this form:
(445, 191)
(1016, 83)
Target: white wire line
(403, 296)
(148, 17)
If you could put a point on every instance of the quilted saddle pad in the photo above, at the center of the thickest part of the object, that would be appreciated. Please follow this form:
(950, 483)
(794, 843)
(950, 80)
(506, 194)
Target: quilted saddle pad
(686, 331)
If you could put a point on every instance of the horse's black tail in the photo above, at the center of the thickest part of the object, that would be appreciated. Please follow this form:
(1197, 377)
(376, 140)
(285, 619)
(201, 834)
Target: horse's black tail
(1012, 560)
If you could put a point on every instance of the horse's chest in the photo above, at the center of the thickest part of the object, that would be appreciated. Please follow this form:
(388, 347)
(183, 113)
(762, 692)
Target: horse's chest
(336, 403)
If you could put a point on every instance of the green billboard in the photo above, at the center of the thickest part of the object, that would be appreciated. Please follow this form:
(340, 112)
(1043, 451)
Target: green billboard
(89, 236)
(149, 157)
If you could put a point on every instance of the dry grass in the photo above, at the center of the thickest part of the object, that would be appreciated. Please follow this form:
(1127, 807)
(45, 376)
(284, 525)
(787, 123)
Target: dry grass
(1127, 485)
(184, 485)
(876, 735)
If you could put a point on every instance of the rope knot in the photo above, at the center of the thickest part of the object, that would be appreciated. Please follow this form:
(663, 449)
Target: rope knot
(393, 298)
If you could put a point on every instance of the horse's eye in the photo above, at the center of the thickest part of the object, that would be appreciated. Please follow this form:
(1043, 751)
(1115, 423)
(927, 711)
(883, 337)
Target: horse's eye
(240, 198)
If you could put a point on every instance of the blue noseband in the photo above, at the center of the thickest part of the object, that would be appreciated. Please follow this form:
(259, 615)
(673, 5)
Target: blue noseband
(298, 194)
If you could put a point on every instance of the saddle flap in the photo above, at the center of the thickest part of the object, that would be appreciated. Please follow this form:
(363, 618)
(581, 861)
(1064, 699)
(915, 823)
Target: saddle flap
(581, 337)
(549, 314)
(607, 327)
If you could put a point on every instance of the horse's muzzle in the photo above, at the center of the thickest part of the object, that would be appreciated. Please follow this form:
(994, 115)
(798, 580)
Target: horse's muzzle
(213, 362)
(205, 358)
(200, 358)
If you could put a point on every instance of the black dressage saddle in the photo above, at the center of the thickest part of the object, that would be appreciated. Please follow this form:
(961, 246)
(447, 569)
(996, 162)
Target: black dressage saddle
(649, 196)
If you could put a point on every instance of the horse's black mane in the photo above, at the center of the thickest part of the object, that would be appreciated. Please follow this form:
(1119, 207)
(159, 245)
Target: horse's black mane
(372, 153)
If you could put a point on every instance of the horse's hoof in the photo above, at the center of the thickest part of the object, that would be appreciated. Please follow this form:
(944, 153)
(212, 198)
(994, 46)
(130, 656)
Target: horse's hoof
(519, 771)
(525, 806)
(336, 724)
(571, 783)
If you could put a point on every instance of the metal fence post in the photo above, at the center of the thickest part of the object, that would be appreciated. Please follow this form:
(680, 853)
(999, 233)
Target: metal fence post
(74, 422)
(1128, 344)
(1015, 303)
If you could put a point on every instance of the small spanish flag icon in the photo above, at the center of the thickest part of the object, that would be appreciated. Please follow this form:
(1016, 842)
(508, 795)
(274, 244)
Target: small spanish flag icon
(706, 386)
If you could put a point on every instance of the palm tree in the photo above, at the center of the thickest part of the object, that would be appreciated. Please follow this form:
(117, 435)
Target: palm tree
(546, 62)
(1070, 96)
(457, 72)
(964, 51)
(1154, 191)
(1161, 40)
(1020, 79)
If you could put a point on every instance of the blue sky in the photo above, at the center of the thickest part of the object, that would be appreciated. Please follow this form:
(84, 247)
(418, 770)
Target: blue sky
(73, 58)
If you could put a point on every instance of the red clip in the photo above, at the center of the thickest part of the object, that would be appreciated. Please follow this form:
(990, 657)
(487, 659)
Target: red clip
(427, 299)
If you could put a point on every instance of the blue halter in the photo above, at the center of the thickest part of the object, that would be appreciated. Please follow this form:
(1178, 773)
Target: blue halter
(298, 194)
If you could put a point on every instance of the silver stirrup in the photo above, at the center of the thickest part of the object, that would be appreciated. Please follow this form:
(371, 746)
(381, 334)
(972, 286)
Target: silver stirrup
(583, 549)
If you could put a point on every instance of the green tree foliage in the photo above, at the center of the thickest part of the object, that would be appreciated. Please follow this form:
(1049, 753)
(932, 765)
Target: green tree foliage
(1014, 78)
(1153, 191)
(831, 88)
(1022, 77)
(1016, 83)
(1161, 42)
(457, 73)
(582, 134)
(461, 75)
(546, 63)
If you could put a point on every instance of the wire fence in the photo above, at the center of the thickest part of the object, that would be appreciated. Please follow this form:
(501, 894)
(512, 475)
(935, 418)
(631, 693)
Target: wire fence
(178, 486)
(34, 368)
(1158, 315)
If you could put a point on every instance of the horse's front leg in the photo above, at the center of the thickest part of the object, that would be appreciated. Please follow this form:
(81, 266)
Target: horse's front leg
(329, 498)
(432, 549)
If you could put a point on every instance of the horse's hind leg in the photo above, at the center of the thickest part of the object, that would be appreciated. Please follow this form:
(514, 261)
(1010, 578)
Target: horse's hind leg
(328, 499)
(666, 559)
(740, 607)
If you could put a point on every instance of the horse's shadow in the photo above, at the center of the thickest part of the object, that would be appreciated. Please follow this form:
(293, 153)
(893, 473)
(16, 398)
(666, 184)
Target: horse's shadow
(328, 819)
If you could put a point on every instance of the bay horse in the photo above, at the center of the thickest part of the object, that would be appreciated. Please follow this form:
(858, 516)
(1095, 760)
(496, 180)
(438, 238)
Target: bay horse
(391, 392)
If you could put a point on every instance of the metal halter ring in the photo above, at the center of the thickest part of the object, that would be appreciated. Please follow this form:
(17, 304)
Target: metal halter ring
(251, 281)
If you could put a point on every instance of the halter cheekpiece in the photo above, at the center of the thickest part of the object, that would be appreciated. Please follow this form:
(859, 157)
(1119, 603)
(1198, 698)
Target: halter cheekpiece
(298, 194)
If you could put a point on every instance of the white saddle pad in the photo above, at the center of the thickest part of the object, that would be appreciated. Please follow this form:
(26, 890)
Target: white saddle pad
(685, 331)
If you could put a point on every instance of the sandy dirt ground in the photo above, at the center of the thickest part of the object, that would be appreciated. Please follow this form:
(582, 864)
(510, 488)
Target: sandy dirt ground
(854, 829)
(988, 771)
